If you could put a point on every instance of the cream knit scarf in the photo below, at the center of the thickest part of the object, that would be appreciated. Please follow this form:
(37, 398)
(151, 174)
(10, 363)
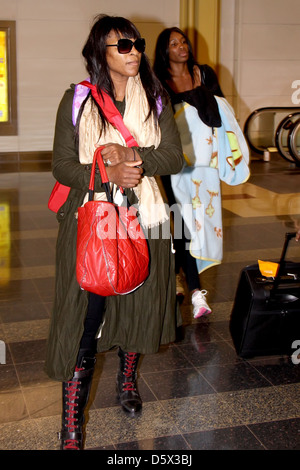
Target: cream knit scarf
(145, 132)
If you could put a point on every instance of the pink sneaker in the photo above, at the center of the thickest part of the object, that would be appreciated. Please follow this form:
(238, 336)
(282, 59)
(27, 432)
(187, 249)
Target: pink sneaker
(199, 303)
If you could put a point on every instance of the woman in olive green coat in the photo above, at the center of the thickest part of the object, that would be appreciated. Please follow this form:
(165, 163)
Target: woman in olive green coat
(139, 322)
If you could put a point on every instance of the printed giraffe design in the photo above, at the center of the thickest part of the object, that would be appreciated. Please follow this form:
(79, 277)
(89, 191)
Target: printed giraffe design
(196, 200)
(210, 208)
(214, 157)
(214, 160)
(218, 232)
(198, 225)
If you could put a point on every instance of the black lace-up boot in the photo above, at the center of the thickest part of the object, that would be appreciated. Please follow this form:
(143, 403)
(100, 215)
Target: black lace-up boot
(129, 397)
(75, 397)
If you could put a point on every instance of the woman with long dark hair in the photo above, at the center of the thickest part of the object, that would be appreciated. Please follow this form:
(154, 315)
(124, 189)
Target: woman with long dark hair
(83, 323)
(187, 76)
(185, 79)
(203, 117)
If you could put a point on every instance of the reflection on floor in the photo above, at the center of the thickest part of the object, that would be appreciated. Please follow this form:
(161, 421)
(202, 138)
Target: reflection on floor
(197, 393)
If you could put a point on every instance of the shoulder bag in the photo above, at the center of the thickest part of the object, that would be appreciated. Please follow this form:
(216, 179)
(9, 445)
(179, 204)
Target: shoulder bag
(112, 251)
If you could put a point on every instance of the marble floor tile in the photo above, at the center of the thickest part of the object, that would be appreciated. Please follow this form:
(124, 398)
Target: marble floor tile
(154, 421)
(177, 383)
(261, 404)
(203, 412)
(278, 435)
(19, 435)
(166, 443)
(13, 407)
(235, 438)
(241, 376)
(197, 393)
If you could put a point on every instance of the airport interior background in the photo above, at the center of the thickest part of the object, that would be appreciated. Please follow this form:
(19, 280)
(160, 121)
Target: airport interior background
(198, 393)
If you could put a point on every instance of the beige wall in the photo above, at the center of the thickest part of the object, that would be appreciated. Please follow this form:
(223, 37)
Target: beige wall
(259, 53)
(50, 36)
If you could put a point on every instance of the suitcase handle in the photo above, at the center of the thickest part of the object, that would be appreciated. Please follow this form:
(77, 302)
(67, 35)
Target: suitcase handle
(288, 237)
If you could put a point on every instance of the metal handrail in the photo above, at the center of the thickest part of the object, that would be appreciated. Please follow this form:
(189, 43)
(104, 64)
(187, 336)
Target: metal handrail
(273, 143)
(284, 137)
(292, 141)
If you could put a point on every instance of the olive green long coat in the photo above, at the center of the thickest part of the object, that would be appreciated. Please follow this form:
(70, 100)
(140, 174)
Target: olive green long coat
(139, 321)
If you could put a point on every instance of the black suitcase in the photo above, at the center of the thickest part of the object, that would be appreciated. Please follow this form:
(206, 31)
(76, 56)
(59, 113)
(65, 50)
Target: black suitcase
(265, 319)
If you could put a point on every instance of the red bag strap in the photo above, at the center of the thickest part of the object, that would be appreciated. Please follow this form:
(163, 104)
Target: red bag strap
(115, 118)
(104, 178)
(111, 113)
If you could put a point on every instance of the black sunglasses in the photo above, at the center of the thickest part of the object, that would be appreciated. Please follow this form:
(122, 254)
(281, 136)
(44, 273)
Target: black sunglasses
(125, 45)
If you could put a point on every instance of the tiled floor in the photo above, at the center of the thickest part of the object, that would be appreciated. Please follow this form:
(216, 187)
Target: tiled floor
(197, 393)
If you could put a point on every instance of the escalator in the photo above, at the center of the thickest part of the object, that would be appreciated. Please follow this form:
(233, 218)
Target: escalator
(275, 129)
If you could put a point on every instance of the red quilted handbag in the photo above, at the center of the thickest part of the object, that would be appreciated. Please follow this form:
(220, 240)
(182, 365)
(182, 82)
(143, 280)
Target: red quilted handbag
(112, 251)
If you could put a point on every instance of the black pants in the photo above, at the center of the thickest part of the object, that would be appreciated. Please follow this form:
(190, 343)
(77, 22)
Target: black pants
(92, 322)
(184, 260)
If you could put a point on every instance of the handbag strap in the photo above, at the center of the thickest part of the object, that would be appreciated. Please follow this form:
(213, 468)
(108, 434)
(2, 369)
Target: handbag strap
(111, 112)
(104, 178)
(115, 118)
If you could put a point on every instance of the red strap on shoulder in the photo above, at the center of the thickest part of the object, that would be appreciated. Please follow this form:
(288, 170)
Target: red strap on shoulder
(111, 113)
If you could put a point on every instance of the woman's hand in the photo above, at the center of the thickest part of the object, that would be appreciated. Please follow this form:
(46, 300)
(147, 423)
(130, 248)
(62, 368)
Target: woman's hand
(125, 174)
(113, 154)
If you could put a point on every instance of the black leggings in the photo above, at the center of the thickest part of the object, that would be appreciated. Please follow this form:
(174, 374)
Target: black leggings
(92, 322)
(184, 260)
